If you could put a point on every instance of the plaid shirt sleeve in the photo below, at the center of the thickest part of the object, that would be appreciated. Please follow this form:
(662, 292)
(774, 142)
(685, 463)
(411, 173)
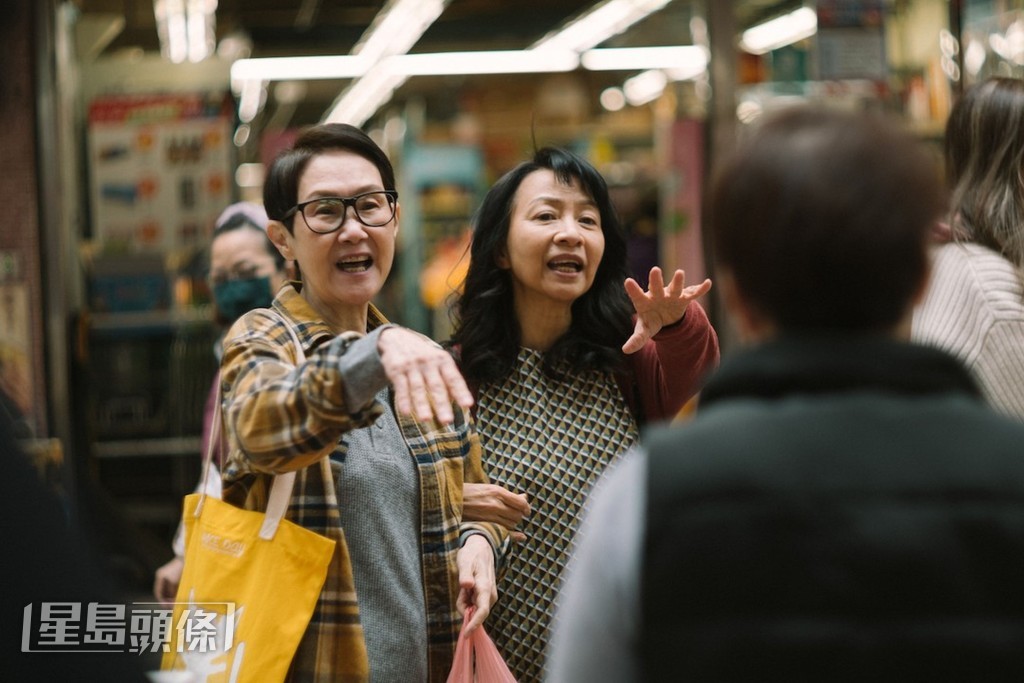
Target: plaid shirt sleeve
(281, 414)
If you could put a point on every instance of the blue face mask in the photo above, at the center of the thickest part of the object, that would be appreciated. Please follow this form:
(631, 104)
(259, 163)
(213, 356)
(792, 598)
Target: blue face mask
(236, 297)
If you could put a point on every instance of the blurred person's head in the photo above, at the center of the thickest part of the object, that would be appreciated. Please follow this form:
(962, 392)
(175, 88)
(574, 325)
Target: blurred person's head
(245, 266)
(820, 222)
(546, 237)
(334, 210)
(985, 166)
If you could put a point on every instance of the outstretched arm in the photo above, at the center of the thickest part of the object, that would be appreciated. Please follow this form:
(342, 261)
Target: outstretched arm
(659, 306)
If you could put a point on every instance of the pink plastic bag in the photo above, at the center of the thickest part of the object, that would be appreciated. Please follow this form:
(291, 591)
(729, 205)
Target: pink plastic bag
(477, 660)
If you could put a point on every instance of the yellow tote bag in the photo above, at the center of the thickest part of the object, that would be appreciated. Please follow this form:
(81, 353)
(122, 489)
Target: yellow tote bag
(250, 585)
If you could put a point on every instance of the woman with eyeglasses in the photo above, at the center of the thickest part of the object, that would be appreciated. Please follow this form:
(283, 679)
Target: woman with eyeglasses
(382, 405)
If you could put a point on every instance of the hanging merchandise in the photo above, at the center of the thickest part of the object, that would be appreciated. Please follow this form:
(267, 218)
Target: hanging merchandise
(159, 168)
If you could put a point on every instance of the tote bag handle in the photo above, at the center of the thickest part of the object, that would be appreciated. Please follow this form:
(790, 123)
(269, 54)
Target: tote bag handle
(281, 488)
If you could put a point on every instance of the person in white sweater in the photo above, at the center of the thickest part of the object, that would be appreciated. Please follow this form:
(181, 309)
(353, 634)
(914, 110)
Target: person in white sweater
(974, 304)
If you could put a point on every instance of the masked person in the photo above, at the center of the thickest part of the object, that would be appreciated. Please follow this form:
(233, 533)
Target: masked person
(246, 269)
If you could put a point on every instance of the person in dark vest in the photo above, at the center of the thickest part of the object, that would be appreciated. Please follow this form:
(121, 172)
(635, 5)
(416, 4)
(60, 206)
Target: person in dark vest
(844, 506)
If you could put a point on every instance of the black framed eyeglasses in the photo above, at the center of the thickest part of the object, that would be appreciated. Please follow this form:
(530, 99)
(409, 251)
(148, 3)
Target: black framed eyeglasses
(326, 214)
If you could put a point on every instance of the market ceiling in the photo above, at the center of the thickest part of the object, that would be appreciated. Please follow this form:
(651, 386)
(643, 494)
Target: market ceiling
(308, 27)
(278, 28)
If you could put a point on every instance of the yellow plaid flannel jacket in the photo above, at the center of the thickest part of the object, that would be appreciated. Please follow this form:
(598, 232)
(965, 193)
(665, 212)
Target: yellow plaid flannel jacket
(281, 416)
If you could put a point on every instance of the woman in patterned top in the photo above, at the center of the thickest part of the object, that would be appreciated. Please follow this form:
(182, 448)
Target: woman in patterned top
(567, 355)
(363, 412)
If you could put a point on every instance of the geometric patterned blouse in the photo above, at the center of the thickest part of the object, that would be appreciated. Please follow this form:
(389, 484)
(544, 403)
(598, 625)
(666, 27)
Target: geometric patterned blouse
(551, 440)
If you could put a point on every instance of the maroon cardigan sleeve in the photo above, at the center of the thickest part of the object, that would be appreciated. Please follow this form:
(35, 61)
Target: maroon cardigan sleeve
(669, 369)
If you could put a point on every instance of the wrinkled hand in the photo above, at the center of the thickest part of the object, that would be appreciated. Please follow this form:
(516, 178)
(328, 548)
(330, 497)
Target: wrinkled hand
(660, 305)
(477, 586)
(165, 585)
(425, 377)
(493, 503)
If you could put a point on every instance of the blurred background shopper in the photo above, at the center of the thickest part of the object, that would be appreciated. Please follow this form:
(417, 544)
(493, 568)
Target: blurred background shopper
(974, 306)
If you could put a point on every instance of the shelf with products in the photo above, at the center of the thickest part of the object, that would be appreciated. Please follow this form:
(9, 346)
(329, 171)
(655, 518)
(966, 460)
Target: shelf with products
(148, 376)
(159, 168)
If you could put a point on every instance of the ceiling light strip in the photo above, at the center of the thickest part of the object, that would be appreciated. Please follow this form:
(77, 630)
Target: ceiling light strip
(642, 58)
(599, 23)
(780, 31)
(394, 30)
(485, 62)
(299, 68)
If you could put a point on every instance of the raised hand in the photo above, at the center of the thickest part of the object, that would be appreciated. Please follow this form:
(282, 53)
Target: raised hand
(425, 377)
(659, 305)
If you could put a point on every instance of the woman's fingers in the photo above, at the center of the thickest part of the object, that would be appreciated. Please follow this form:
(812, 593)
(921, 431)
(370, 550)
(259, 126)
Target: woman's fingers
(697, 291)
(424, 376)
(675, 285)
(655, 282)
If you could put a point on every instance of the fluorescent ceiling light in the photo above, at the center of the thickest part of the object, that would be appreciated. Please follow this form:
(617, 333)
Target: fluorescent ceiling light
(613, 99)
(642, 58)
(364, 97)
(599, 24)
(186, 28)
(397, 27)
(394, 30)
(484, 62)
(645, 87)
(251, 97)
(374, 87)
(299, 68)
(780, 31)
(674, 59)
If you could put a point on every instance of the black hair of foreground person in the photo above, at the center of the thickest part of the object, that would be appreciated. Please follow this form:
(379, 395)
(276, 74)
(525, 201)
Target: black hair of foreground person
(843, 507)
(46, 560)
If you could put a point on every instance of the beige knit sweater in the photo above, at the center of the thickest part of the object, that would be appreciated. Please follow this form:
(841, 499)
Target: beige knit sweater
(974, 309)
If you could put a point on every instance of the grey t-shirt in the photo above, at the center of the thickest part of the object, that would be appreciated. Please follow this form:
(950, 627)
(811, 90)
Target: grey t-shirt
(379, 502)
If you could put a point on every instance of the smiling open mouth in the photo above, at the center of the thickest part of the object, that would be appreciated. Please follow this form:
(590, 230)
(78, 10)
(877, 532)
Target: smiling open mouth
(566, 266)
(355, 264)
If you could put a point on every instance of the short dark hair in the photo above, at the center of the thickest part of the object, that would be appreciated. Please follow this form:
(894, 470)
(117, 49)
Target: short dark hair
(985, 166)
(822, 218)
(486, 330)
(281, 187)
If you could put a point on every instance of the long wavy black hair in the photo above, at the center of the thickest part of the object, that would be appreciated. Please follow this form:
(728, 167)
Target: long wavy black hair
(486, 332)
